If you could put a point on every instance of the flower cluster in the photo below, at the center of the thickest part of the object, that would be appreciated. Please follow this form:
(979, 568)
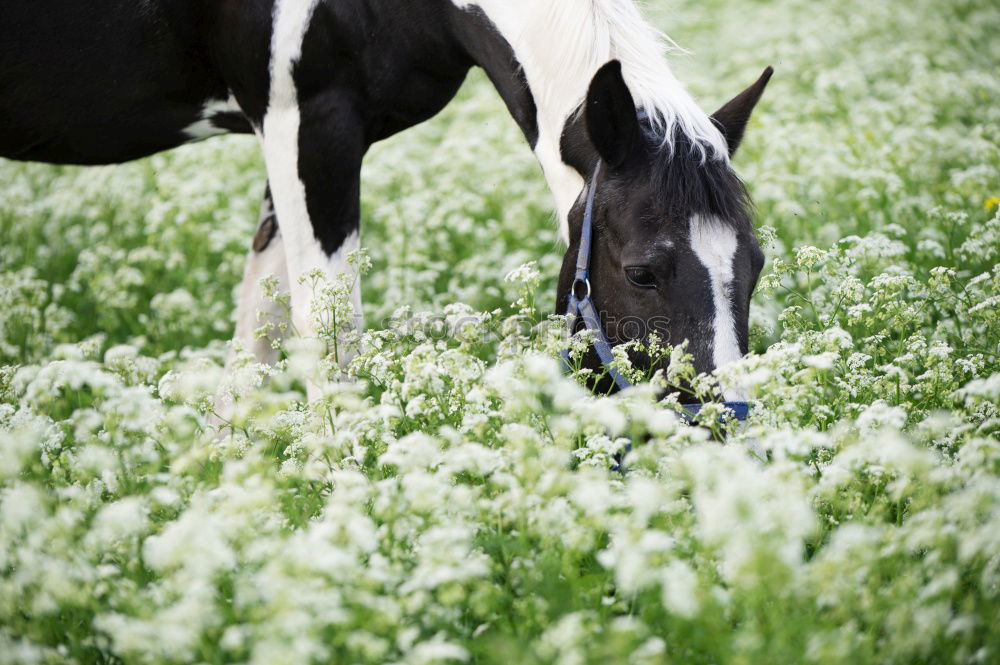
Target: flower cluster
(448, 496)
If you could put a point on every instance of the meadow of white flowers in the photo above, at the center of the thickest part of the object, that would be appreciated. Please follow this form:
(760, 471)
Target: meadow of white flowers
(450, 500)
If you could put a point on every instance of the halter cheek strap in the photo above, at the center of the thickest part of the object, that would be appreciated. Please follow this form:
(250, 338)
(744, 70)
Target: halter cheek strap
(580, 303)
(581, 306)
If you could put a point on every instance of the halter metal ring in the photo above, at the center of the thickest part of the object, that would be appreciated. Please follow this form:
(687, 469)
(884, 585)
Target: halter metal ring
(573, 289)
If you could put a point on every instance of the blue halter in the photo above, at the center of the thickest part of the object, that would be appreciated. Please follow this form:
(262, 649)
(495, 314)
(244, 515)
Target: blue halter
(582, 306)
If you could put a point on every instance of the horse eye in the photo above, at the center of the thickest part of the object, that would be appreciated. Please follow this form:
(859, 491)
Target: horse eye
(641, 277)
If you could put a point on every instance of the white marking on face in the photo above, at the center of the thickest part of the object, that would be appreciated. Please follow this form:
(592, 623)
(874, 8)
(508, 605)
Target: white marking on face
(560, 44)
(715, 244)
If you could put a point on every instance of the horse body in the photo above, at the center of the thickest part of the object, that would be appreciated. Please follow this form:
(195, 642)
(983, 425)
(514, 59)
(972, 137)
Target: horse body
(101, 81)
(319, 81)
(108, 81)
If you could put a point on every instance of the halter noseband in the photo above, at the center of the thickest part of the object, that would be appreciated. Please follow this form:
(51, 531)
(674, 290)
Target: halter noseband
(581, 305)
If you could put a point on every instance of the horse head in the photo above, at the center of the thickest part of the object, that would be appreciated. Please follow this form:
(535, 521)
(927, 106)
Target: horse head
(661, 240)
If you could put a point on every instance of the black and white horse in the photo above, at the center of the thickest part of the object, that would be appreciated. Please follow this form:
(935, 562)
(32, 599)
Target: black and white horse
(320, 81)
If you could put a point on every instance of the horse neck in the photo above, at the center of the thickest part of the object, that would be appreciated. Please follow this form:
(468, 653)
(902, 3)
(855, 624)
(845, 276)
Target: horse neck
(542, 55)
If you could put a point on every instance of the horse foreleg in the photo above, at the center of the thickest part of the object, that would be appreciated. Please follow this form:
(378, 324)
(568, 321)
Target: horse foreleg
(256, 311)
(260, 320)
(313, 153)
(313, 138)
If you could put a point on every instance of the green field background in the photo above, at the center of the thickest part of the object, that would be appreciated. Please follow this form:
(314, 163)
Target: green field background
(449, 500)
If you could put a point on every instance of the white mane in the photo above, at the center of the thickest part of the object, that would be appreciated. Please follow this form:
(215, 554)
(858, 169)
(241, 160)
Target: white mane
(616, 29)
(560, 45)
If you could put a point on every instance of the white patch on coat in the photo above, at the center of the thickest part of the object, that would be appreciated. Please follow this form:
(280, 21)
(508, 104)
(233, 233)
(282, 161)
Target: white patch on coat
(715, 245)
(560, 45)
(280, 139)
(205, 128)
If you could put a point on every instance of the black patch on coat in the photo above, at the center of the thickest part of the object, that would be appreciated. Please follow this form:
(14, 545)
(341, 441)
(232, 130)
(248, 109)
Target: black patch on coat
(103, 81)
(367, 71)
(231, 121)
(491, 51)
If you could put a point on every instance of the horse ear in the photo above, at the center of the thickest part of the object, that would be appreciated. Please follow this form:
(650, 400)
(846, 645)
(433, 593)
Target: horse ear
(612, 122)
(732, 118)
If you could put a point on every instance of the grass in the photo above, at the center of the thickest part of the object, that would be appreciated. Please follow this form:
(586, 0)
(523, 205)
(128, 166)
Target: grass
(449, 500)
